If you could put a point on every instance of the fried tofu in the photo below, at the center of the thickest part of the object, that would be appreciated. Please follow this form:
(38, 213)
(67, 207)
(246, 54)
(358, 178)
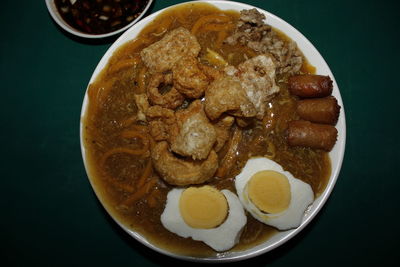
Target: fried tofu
(195, 135)
(188, 78)
(257, 77)
(162, 55)
(226, 94)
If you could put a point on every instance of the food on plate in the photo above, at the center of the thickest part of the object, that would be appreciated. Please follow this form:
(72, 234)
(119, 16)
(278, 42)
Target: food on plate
(226, 94)
(320, 110)
(252, 31)
(205, 214)
(309, 85)
(183, 108)
(98, 17)
(162, 55)
(257, 76)
(194, 134)
(308, 134)
(180, 171)
(171, 98)
(272, 195)
(189, 79)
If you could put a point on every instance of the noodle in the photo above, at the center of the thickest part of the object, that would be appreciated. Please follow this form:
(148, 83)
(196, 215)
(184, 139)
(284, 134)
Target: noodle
(141, 192)
(230, 156)
(128, 121)
(121, 186)
(123, 64)
(217, 27)
(207, 19)
(146, 173)
(163, 27)
(133, 45)
(97, 93)
(121, 150)
(220, 38)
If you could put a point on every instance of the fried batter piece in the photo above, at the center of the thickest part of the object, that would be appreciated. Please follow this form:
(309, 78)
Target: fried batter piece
(162, 55)
(171, 99)
(161, 121)
(195, 134)
(222, 127)
(226, 94)
(181, 172)
(211, 72)
(257, 76)
(188, 78)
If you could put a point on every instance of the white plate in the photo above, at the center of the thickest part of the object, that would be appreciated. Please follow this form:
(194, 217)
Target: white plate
(336, 154)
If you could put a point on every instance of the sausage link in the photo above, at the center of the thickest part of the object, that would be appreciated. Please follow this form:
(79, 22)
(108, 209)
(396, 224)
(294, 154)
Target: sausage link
(309, 85)
(321, 110)
(308, 134)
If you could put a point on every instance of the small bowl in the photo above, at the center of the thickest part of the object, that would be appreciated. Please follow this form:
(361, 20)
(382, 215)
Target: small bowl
(51, 6)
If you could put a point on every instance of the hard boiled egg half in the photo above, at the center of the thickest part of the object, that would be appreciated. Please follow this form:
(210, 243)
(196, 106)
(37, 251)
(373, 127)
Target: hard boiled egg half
(205, 214)
(271, 195)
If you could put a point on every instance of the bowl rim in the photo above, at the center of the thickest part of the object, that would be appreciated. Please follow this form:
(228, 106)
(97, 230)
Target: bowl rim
(65, 26)
(338, 151)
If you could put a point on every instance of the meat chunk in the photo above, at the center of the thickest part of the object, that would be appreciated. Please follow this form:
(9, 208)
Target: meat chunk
(257, 76)
(251, 16)
(189, 80)
(310, 85)
(162, 55)
(226, 94)
(314, 135)
(320, 110)
(194, 135)
(181, 172)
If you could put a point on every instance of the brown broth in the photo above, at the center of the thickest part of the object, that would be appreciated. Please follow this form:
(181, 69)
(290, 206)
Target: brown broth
(110, 112)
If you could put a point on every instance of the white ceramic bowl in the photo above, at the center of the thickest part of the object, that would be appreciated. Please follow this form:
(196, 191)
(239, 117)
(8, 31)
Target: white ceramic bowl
(60, 21)
(336, 154)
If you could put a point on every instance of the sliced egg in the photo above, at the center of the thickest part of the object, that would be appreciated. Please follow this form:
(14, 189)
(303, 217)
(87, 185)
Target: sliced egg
(271, 195)
(205, 214)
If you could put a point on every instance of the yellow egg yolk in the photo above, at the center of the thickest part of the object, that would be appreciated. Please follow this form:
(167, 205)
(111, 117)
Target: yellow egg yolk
(269, 191)
(203, 207)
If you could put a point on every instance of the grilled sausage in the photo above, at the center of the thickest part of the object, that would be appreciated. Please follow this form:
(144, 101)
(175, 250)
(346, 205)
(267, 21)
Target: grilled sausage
(308, 134)
(321, 110)
(310, 86)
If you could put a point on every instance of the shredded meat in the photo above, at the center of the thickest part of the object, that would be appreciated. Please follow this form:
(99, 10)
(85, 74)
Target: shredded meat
(195, 134)
(254, 33)
(162, 55)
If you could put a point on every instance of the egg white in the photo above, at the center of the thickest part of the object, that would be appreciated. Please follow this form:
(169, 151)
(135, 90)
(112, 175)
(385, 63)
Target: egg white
(221, 238)
(302, 195)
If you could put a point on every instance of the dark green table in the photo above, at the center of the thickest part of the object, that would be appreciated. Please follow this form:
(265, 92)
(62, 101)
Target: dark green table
(49, 213)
